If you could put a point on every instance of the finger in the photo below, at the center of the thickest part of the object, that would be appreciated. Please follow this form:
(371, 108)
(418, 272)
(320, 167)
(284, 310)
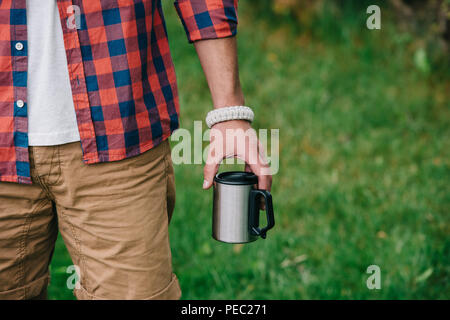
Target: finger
(209, 171)
(265, 182)
(262, 171)
(261, 182)
(262, 204)
(262, 154)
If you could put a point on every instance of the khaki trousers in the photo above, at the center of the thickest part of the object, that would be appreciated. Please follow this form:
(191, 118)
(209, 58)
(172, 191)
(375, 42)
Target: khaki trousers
(112, 216)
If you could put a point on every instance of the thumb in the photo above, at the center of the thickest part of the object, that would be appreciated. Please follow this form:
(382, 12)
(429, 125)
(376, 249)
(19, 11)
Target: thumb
(209, 171)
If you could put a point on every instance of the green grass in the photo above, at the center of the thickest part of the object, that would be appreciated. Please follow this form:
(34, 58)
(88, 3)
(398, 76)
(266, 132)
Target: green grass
(364, 171)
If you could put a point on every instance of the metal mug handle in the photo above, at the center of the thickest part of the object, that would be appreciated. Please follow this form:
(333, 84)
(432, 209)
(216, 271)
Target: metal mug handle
(254, 212)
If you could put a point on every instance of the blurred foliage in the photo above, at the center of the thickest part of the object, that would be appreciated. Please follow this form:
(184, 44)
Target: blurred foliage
(424, 25)
(429, 23)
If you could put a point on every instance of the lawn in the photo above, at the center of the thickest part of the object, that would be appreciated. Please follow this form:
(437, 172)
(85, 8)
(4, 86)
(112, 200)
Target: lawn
(364, 170)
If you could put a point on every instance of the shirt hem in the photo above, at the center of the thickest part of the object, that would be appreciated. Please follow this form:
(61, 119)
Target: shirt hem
(96, 158)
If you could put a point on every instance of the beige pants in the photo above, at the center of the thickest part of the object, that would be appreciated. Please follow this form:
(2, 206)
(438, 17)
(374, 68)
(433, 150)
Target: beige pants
(112, 216)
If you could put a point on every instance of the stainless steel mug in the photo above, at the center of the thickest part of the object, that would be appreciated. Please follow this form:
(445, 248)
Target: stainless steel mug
(236, 208)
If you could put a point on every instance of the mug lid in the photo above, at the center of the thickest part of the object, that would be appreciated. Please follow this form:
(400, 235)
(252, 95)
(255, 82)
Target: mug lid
(236, 178)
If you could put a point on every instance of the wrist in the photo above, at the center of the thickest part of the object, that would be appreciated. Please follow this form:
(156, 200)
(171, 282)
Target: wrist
(235, 98)
(232, 124)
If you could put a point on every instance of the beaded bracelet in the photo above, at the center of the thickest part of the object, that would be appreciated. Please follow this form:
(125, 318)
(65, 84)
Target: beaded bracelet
(229, 113)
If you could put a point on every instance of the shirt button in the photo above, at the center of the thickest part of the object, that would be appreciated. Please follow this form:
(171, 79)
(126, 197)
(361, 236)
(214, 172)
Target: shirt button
(19, 46)
(20, 103)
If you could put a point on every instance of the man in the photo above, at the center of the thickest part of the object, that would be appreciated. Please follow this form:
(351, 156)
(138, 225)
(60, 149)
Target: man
(88, 99)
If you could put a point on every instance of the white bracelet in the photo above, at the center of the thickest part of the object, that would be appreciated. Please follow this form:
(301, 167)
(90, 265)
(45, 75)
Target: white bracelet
(229, 113)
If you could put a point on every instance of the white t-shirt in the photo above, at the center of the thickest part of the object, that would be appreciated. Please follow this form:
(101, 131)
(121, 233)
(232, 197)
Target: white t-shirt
(51, 112)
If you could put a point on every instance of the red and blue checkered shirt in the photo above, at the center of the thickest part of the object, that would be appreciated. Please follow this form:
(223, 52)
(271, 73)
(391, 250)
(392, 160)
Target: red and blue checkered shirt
(121, 72)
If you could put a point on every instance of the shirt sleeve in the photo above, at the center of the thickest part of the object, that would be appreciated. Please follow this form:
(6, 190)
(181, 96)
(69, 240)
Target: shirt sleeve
(208, 19)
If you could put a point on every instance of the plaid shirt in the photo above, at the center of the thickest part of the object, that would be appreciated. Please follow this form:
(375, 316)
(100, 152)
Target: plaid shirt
(122, 76)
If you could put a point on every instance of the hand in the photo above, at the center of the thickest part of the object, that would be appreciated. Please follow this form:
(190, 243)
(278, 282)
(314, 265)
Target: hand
(236, 138)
